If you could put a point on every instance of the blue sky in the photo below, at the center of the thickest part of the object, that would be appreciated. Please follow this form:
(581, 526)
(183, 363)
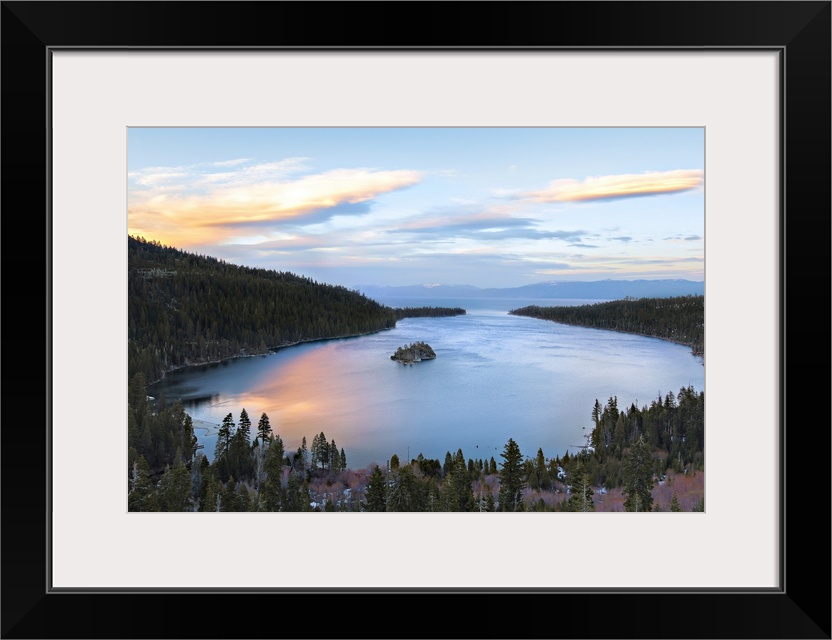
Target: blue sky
(491, 207)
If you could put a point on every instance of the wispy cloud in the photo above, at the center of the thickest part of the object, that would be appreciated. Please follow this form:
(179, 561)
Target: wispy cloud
(613, 265)
(231, 163)
(489, 225)
(445, 221)
(196, 176)
(612, 187)
(680, 238)
(188, 206)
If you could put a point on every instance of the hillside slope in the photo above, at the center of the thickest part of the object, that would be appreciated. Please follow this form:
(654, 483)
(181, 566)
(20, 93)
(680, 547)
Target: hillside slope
(186, 309)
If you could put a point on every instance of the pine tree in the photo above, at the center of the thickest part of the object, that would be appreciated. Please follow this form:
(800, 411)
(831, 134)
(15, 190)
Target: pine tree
(273, 467)
(304, 499)
(674, 503)
(581, 496)
(406, 492)
(207, 497)
(343, 459)
(244, 426)
(223, 446)
(320, 454)
(142, 496)
(376, 491)
(448, 464)
(297, 496)
(240, 448)
(316, 443)
(275, 453)
(512, 481)
(489, 501)
(244, 502)
(541, 473)
(264, 429)
(304, 454)
(334, 457)
(175, 488)
(433, 500)
(460, 484)
(448, 496)
(596, 419)
(638, 477)
(229, 496)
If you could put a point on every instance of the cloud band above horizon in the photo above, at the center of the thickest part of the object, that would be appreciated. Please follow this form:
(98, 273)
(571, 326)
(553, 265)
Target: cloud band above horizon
(613, 187)
(163, 208)
(487, 206)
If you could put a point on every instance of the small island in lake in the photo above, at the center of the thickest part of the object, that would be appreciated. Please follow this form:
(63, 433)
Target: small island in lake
(415, 352)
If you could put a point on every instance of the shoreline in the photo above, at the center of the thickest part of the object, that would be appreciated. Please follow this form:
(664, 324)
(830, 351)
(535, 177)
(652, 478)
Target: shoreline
(632, 333)
(269, 351)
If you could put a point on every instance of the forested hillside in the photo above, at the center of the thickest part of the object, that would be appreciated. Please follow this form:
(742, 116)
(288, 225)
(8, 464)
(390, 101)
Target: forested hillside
(186, 309)
(428, 312)
(678, 319)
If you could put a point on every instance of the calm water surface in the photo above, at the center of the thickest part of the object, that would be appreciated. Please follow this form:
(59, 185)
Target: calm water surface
(495, 377)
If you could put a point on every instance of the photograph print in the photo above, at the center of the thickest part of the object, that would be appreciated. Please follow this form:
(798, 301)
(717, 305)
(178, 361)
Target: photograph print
(416, 319)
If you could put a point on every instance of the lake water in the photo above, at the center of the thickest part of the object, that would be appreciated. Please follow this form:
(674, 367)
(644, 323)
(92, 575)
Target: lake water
(495, 377)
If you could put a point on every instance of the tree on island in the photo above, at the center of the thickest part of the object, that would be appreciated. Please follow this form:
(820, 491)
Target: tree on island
(415, 352)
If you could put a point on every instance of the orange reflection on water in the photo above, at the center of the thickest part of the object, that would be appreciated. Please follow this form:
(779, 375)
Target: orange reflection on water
(300, 401)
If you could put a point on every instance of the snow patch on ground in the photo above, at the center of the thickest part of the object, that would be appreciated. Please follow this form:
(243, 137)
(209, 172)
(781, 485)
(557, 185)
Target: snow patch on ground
(210, 428)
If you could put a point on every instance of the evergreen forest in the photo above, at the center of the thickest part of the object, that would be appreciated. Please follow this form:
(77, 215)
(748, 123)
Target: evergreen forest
(186, 309)
(427, 312)
(679, 319)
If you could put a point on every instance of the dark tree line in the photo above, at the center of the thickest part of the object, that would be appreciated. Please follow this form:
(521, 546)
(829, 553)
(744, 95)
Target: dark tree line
(679, 319)
(245, 475)
(633, 447)
(428, 312)
(186, 309)
(673, 426)
(163, 437)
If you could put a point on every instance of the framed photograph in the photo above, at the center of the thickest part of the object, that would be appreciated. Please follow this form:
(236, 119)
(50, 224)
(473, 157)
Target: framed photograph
(104, 101)
(375, 220)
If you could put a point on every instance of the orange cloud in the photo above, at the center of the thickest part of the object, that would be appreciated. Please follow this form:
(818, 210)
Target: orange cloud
(215, 213)
(628, 185)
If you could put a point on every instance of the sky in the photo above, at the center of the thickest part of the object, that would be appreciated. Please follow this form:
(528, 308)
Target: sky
(489, 207)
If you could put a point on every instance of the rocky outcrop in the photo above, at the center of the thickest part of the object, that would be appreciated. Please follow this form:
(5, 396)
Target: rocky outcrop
(415, 352)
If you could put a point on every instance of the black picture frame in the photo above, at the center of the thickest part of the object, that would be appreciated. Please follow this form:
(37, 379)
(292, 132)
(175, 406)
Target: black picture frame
(799, 31)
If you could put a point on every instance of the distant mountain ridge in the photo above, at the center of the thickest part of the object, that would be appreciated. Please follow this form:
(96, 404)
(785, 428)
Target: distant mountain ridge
(593, 290)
